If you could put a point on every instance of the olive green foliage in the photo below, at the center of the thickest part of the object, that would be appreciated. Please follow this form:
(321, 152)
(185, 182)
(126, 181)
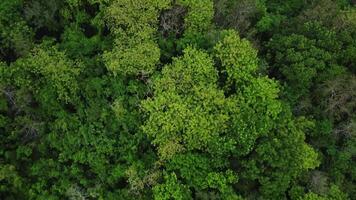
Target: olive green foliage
(312, 57)
(300, 61)
(15, 35)
(183, 99)
(241, 15)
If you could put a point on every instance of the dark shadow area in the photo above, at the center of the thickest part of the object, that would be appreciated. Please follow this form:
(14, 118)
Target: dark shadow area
(89, 30)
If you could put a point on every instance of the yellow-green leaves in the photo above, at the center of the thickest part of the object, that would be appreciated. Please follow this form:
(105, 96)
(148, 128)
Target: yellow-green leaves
(197, 22)
(171, 189)
(237, 56)
(200, 15)
(253, 111)
(48, 71)
(134, 24)
(196, 125)
(133, 59)
(187, 108)
(135, 15)
(194, 69)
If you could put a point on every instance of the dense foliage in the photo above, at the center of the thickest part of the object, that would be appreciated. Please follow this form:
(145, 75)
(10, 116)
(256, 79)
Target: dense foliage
(178, 99)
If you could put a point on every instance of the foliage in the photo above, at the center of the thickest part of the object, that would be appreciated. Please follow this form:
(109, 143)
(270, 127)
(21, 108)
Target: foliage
(189, 113)
(184, 99)
(135, 51)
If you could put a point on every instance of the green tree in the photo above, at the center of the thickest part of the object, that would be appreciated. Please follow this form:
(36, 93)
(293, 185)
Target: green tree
(135, 51)
(16, 36)
(196, 127)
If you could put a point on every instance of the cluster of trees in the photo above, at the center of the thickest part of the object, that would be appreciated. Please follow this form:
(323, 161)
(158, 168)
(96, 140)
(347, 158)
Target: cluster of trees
(178, 99)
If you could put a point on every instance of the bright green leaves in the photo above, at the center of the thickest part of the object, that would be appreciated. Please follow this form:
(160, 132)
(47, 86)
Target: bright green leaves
(253, 112)
(47, 72)
(135, 16)
(139, 59)
(237, 56)
(187, 95)
(171, 189)
(197, 22)
(196, 126)
(252, 95)
(187, 107)
(134, 24)
(187, 114)
(99, 113)
(195, 68)
(200, 15)
(200, 171)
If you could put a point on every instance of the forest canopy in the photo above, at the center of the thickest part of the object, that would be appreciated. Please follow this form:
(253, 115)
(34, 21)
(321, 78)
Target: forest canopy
(178, 99)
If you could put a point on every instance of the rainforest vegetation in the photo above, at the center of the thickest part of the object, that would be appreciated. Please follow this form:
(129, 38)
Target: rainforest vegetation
(178, 99)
